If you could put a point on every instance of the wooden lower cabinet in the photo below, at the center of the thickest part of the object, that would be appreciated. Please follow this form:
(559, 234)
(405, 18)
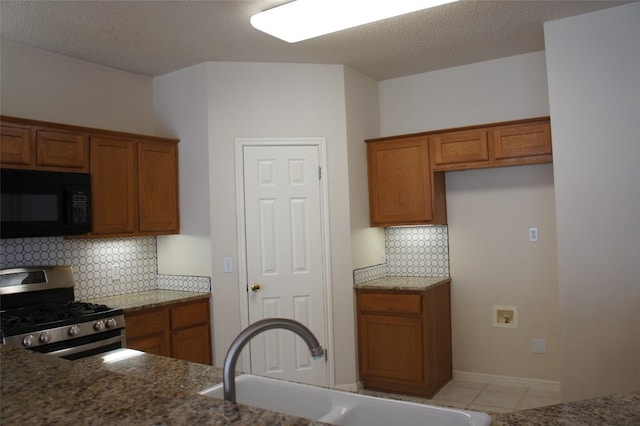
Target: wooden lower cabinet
(180, 330)
(149, 331)
(404, 340)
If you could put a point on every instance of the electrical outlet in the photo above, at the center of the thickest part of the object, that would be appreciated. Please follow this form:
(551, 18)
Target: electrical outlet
(114, 272)
(539, 346)
(533, 235)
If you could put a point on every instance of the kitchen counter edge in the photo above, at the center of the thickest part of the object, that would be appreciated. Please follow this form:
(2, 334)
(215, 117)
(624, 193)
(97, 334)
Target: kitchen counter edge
(138, 301)
(402, 283)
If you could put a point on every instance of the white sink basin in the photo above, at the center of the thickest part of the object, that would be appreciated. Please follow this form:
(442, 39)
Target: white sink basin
(342, 408)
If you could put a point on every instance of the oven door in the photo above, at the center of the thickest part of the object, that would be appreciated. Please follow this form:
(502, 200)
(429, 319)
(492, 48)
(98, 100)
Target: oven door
(85, 346)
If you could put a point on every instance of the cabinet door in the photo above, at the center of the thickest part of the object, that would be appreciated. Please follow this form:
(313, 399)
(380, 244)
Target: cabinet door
(391, 348)
(399, 182)
(460, 148)
(113, 184)
(158, 188)
(190, 332)
(522, 140)
(149, 331)
(192, 344)
(157, 344)
(64, 151)
(17, 148)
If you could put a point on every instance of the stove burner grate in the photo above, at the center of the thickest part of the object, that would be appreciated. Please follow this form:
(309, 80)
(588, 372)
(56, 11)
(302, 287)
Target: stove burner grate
(47, 313)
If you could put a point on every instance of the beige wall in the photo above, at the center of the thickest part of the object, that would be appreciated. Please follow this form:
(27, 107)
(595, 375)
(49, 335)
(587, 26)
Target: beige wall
(489, 213)
(253, 100)
(362, 107)
(50, 87)
(593, 64)
(493, 263)
(181, 109)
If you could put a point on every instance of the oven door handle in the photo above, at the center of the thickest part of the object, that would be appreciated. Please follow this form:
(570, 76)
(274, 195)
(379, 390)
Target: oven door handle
(86, 347)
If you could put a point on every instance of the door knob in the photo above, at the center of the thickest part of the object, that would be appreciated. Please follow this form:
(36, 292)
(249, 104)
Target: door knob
(255, 287)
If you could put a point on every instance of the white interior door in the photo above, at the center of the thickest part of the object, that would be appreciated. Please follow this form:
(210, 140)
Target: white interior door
(284, 257)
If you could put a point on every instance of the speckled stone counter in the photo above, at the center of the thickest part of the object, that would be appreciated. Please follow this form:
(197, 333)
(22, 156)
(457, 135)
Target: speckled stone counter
(615, 410)
(148, 299)
(39, 389)
(402, 283)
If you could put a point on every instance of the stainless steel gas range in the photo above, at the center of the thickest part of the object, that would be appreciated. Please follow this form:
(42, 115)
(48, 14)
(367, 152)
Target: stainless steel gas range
(38, 312)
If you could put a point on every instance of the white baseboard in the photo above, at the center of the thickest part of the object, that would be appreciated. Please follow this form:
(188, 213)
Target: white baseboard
(547, 385)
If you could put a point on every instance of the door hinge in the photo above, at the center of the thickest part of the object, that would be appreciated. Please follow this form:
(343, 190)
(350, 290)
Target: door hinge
(326, 355)
(319, 173)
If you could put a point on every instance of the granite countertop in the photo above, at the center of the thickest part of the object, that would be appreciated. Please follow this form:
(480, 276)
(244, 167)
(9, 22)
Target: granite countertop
(39, 389)
(148, 389)
(148, 299)
(402, 283)
(614, 410)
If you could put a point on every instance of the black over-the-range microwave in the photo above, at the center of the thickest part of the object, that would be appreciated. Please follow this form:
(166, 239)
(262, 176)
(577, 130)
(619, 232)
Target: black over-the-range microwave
(40, 204)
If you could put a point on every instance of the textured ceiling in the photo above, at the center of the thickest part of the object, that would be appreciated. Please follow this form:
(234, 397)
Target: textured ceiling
(156, 37)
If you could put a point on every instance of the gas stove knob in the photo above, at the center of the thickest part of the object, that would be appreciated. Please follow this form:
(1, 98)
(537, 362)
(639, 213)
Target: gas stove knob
(111, 323)
(27, 340)
(74, 330)
(98, 325)
(45, 337)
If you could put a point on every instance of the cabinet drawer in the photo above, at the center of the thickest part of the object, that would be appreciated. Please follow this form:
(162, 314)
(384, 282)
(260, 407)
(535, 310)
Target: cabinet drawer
(62, 150)
(460, 147)
(396, 303)
(522, 140)
(190, 314)
(146, 323)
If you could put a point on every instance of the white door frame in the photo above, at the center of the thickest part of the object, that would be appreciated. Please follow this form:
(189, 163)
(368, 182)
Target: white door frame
(240, 144)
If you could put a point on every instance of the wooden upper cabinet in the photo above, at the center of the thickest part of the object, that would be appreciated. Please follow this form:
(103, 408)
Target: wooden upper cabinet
(113, 186)
(158, 187)
(134, 187)
(460, 147)
(38, 147)
(494, 145)
(57, 150)
(401, 187)
(17, 147)
(134, 178)
(522, 141)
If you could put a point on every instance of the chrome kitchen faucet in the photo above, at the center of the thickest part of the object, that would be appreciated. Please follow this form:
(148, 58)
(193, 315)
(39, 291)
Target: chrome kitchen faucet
(229, 370)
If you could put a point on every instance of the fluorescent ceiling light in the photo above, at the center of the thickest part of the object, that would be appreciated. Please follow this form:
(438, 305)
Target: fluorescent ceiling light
(305, 19)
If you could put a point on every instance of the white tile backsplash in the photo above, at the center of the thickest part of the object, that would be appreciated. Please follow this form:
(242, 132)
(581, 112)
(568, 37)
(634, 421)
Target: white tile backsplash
(421, 251)
(104, 267)
(417, 251)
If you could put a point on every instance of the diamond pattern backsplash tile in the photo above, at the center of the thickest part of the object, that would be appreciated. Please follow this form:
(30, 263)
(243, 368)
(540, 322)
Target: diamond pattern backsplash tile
(417, 251)
(370, 273)
(106, 267)
(420, 251)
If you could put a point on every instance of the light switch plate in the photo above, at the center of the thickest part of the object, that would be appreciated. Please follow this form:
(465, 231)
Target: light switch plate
(228, 264)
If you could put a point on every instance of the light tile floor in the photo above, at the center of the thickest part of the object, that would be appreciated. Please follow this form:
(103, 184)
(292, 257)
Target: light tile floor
(485, 397)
